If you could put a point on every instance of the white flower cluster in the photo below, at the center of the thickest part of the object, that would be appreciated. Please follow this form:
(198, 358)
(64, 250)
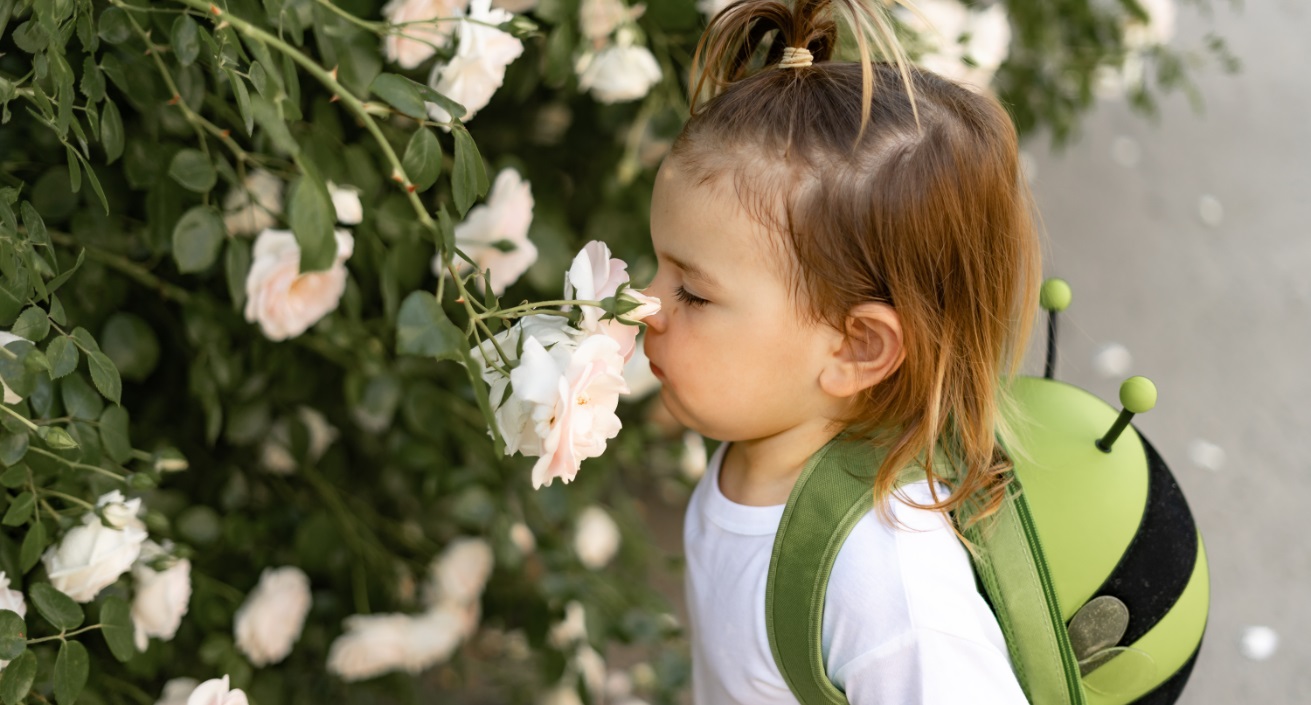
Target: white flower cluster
(556, 385)
(270, 621)
(381, 643)
(284, 301)
(964, 44)
(616, 68)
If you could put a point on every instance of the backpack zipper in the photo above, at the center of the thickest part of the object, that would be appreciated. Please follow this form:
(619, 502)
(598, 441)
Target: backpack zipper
(1073, 679)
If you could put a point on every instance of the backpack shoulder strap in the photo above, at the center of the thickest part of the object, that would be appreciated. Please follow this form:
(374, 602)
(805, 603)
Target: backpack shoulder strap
(832, 494)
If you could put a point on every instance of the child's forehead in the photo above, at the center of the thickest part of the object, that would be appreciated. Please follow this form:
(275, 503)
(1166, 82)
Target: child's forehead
(705, 223)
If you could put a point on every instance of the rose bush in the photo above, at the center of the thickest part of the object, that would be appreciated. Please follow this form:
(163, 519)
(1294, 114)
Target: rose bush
(281, 308)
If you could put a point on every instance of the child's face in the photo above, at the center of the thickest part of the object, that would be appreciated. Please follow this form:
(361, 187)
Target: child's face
(742, 365)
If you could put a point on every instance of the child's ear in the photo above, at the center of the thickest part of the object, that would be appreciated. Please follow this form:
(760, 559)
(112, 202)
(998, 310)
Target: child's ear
(871, 351)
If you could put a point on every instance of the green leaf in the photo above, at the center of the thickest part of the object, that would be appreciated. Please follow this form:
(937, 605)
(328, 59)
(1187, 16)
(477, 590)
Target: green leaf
(74, 169)
(63, 356)
(131, 343)
(111, 131)
(13, 635)
(422, 328)
(71, 667)
(243, 99)
(114, 434)
(93, 80)
(16, 372)
(115, 27)
(312, 217)
(13, 446)
(33, 544)
(470, 177)
(186, 39)
(236, 263)
(116, 626)
(423, 159)
(57, 438)
(36, 227)
(16, 681)
(20, 510)
(80, 400)
(84, 340)
(63, 277)
(32, 324)
(105, 376)
(401, 93)
(197, 238)
(193, 169)
(58, 609)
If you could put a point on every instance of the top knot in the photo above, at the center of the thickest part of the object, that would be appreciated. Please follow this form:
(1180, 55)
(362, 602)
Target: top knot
(796, 58)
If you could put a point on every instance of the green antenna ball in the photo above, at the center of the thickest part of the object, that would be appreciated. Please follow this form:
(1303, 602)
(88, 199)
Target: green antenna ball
(1055, 294)
(1138, 395)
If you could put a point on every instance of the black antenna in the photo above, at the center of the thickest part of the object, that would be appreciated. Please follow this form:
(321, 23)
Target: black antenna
(1138, 396)
(1055, 297)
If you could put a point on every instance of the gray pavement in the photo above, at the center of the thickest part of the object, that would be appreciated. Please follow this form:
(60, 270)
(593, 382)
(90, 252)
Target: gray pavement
(1214, 304)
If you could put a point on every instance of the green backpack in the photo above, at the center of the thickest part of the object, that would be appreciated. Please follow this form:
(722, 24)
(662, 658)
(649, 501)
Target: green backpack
(1093, 565)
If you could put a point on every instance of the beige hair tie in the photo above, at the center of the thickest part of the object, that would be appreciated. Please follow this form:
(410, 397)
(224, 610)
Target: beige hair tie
(796, 58)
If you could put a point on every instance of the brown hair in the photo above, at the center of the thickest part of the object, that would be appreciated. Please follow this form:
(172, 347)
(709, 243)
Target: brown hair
(889, 184)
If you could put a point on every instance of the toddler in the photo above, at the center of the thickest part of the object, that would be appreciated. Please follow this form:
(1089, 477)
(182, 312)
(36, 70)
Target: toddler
(842, 246)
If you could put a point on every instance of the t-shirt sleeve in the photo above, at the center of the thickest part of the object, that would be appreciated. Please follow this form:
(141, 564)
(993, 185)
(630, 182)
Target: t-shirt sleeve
(904, 623)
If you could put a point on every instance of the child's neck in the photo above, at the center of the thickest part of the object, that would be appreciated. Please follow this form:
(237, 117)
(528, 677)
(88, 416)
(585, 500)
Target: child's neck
(760, 472)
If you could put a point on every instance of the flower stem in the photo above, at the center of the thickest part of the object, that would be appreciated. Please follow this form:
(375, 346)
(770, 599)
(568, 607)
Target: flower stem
(64, 635)
(26, 421)
(533, 307)
(78, 466)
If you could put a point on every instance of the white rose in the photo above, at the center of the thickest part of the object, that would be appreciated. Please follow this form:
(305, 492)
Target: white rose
(275, 450)
(177, 691)
(618, 73)
(271, 619)
(572, 629)
(561, 695)
(5, 339)
(241, 216)
(591, 667)
(92, 555)
(460, 573)
(421, 41)
(11, 600)
(478, 67)
(216, 692)
(346, 201)
(693, 460)
(987, 33)
(598, 18)
(381, 643)
(161, 596)
(573, 403)
(596, 540)
(592, 276)
(514, 413)
(283, 301)
(522, 538)
(495, 234)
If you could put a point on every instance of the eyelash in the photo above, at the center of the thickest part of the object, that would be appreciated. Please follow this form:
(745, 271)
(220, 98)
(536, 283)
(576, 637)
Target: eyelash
(683, 295)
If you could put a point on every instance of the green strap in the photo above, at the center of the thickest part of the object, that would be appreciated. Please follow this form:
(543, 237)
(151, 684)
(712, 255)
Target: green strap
(834, 491)
(832, 494)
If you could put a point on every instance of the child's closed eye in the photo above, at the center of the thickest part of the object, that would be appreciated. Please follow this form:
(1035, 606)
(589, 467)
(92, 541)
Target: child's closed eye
(688, 298)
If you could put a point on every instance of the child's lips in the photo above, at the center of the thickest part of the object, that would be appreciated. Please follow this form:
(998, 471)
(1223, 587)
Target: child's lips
(659, 373)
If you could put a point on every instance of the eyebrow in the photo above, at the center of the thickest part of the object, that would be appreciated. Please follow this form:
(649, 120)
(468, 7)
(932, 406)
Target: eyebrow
(692, 270)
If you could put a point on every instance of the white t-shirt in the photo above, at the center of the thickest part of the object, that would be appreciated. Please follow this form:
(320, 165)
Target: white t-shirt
(904, 623)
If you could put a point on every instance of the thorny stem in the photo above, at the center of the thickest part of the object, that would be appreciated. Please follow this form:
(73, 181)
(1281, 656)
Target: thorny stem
(533, 307)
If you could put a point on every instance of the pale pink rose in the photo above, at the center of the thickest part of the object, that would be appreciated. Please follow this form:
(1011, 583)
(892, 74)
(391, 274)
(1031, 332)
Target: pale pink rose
(460, 573)
(594, 275)
(472, 76)
(346, 201)
(381, 643)
(514, 413)
(177, 691)
(495, 234)
(574, 403)
(217, 692)
(599, 18)
(92, 555)
(162, 596)
(618, 73)
(638, 375)
(522, 537)
(241, 216)
(283, 301)
(423, 39)
(269, 622)
(596, 539)
(11, 600)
